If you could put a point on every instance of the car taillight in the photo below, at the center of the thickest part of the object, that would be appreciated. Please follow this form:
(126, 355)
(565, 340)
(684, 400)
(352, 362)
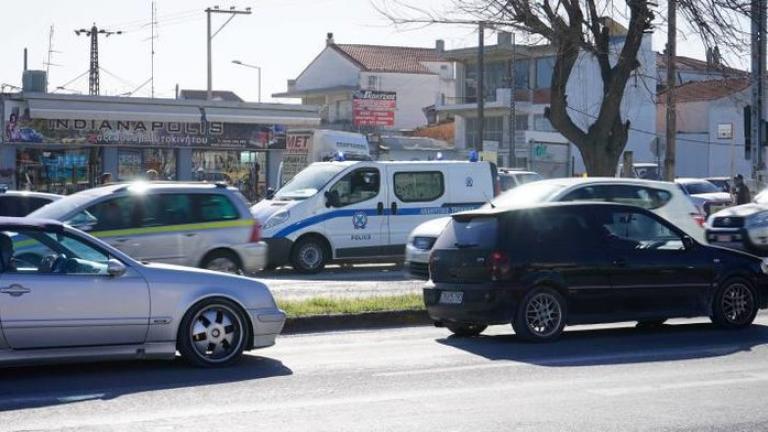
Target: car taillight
(255, 232)
(699, 218)
(499, 265)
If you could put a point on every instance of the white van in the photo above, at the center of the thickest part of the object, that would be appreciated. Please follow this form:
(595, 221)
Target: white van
(364, 211)
(304, 147)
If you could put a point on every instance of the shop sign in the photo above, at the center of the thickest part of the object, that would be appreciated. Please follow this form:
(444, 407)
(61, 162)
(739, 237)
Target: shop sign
(374, 108)
(22, 129)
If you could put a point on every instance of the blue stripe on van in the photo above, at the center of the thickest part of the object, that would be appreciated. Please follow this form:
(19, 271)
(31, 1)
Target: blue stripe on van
(412, 211)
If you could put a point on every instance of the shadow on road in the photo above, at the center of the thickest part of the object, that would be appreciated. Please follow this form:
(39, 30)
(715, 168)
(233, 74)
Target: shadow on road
(32, 387)
(617, 345)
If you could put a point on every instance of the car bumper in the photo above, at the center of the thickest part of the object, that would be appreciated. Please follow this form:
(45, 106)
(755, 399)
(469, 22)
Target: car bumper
(253, 256)
(481, 304)
(748, 239)
(267, 324)
(279, 251)
(417, 262)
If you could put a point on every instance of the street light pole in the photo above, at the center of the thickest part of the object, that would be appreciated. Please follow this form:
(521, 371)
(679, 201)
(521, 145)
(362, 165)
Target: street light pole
(208, 11)
(258, 68)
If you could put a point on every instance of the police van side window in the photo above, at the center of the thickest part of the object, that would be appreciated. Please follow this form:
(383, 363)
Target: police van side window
(421, 186)
(357, 186)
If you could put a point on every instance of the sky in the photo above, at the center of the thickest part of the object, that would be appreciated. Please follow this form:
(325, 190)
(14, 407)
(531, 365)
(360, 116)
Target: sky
(280, 36)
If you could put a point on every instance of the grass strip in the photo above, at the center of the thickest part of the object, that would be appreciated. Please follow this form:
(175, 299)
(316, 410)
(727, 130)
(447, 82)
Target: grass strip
(335, 306)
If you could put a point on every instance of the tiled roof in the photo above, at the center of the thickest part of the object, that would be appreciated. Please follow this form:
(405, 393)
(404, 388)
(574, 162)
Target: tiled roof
(376, 58)
(695, 91)
(690, 64)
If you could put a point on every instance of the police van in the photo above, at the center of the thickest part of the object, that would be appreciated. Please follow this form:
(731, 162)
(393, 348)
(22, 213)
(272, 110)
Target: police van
(364, 210)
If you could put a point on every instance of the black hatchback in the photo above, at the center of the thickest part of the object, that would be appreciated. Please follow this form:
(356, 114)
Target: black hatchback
(540, 268)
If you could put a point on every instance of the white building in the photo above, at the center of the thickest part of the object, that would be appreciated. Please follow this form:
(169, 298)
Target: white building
(418, 76)
(710, 125)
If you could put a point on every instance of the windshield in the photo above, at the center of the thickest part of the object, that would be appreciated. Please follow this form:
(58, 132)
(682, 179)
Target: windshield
(306, 183)
(701, 187)
(59, 209)
(527, 194)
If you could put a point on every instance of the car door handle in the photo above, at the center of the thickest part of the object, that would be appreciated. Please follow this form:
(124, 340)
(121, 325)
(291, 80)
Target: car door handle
(394, 208)
(14, 290)
(380, 208)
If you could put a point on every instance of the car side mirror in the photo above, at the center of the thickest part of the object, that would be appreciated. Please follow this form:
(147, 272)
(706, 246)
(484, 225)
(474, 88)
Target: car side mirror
(115, 268)
(331, 199)
(688, 243)
(270, 193)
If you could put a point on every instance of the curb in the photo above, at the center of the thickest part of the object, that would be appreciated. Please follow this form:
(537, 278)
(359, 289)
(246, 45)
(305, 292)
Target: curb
(361, 321)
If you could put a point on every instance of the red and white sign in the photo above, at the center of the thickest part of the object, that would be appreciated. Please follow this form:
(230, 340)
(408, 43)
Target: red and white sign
(297, 143)
(374, 108)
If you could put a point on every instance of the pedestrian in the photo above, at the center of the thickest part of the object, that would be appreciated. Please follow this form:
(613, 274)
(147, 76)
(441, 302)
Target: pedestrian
(152, 175)
(105, 178)
(741, 191)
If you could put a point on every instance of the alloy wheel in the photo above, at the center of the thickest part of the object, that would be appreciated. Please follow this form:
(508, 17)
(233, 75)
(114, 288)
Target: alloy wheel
(737, 303)
(543, 315)
(216, 333)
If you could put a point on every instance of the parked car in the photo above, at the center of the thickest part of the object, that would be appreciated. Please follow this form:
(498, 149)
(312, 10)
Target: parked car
(191, 224)
(511, 178)
(743, 227)
(364, 211)
(663, 198)
(723, 183)
(545, 266)
(87, 300)
(642, 170)
(21, 203)
(707, 197)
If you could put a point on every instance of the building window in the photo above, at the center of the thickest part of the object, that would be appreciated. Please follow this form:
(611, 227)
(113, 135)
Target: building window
(522, 77)
(521, 122)
(55, 170)
(242, 169)
(492, 131)
(134, 163)
(542, 124)
(373, 81)
(544, 69)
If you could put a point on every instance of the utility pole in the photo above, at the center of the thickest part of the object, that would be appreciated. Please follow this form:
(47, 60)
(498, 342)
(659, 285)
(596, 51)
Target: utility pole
(513, 107)
(757, 133)
(233, 12)
(93, 71)
(669, 160)
(152, 48)
(480, 84)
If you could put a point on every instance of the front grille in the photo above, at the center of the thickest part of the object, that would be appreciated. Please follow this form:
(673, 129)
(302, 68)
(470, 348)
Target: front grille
(728, 222)
(420, 270)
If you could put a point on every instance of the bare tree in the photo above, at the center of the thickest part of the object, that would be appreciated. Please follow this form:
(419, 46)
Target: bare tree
(573, 27)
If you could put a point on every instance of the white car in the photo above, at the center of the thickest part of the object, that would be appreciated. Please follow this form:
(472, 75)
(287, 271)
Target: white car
(663, 198)
(705, 195)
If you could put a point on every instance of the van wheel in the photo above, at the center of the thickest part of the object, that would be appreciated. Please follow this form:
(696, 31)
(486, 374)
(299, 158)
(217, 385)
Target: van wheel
(309, 255)
(222, 261)
(466, 330)
(734, 305)
(541, 316)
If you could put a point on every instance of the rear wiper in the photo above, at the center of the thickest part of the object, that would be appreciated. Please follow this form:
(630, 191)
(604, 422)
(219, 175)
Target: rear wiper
(464, 245)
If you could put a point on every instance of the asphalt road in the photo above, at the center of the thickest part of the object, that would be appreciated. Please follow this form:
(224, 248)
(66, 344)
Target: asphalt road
(367, 280)
(684, 376)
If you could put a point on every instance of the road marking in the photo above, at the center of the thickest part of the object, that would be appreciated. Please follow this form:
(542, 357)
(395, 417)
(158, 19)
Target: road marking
(571, 361)
(619, 391)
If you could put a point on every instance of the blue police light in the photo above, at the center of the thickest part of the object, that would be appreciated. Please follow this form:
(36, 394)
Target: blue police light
(339, 156)
(439, 156)
(474, 156)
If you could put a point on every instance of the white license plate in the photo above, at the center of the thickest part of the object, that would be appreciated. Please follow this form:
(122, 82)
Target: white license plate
(451, 297)
(724, 238)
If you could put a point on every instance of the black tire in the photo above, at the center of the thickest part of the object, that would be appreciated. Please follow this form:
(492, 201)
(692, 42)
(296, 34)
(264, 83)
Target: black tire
(309, 255)
(222, 261)
(735, 304)
(466, 330)
(650, 324)
(528, 325)
(193, 333)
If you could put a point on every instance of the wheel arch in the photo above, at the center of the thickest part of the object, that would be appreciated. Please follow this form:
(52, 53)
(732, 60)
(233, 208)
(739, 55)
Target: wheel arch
(314, 234)
(223, 249)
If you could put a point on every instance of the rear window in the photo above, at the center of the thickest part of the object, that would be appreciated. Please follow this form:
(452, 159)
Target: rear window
(478, 232)
(640, 196)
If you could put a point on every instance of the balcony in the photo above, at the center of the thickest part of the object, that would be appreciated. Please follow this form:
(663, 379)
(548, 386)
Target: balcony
(499, 100)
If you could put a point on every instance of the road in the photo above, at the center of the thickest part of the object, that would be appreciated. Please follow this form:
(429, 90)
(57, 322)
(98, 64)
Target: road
(684, 376)
(352, 281)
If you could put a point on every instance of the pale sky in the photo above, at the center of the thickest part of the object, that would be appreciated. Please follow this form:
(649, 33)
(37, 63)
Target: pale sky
(281, 36)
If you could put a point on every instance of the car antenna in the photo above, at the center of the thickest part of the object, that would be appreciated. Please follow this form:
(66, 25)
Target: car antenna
(489, 200)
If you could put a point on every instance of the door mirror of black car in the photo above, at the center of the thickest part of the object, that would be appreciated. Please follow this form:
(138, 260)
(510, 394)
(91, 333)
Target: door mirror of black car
(688, 243)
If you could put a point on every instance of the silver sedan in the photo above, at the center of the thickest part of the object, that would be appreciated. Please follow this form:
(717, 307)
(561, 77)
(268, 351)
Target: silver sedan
(65, 295)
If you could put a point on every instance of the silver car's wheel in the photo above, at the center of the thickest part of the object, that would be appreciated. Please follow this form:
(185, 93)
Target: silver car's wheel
(734, 305)
(213, 334)
(222, 261)
(541, 315)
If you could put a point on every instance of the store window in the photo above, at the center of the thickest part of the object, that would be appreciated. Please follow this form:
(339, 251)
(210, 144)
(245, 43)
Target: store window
(134, 163)
(55, 170)
(242, 169)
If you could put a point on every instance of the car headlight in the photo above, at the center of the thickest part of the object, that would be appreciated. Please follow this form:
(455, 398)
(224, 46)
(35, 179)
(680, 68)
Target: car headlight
(764, 265)
(423, 243)
(759, 219)
(277, 219)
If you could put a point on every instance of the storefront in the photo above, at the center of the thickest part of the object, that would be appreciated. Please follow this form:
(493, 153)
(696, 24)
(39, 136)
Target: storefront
(63, 143)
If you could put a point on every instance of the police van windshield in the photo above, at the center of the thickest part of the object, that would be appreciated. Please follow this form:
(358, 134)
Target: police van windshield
(306, 183)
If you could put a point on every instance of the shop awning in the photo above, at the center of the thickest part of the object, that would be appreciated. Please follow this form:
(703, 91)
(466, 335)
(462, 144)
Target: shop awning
(266, 116)
(87, 110)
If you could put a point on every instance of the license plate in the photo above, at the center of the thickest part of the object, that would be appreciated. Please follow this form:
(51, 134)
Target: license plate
(451, 297)
(724, 238)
